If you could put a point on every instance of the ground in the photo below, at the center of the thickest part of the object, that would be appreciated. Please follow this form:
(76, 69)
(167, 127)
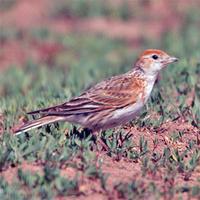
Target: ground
(44, 48)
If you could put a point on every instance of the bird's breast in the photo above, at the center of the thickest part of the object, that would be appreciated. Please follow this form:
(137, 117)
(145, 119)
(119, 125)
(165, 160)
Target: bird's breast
(128, 113)
(148, 89)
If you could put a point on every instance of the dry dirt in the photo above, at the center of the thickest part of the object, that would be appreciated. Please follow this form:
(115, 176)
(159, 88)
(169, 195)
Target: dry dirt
(126, 170)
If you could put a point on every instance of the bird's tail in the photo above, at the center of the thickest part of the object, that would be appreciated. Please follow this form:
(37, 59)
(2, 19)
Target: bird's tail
(37, 123)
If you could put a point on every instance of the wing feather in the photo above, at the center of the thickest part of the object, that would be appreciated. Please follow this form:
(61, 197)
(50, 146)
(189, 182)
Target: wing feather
(116, 92)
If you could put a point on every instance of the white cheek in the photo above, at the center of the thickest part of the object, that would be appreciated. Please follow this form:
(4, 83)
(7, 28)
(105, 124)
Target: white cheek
(156, 67)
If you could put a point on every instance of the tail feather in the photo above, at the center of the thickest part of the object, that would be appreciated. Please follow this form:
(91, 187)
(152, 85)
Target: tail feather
(37, 123)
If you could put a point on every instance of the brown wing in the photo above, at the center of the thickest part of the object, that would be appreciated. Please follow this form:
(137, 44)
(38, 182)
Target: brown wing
(116, 92)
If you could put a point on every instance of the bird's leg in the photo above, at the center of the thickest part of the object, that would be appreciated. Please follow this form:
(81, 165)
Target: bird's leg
(99, 140)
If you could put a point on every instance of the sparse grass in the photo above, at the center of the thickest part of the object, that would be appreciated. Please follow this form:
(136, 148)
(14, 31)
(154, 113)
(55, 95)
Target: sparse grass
(88, 8)
(160, 148)
(6, 4)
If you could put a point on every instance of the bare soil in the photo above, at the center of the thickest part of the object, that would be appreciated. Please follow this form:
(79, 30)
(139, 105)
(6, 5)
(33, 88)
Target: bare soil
(127, 170)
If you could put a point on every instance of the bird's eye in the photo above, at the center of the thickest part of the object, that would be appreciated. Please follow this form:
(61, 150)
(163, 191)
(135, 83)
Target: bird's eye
(155, 57)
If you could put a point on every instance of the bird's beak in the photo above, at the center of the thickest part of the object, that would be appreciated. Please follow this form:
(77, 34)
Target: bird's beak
(171, 60)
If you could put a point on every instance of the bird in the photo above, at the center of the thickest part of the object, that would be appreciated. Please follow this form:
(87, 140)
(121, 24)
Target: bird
(110, 103)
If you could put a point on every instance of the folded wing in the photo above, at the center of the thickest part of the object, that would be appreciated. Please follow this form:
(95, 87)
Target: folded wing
(114, 93)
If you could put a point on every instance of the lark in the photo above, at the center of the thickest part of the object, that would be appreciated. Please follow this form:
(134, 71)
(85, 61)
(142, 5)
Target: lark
(110, 103)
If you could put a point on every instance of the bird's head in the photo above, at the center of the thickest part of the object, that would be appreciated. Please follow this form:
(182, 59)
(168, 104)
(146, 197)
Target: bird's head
(153, 60)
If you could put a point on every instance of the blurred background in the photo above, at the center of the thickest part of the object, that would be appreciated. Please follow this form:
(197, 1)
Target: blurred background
(45, 45)
(58, 33)
(51, 50)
